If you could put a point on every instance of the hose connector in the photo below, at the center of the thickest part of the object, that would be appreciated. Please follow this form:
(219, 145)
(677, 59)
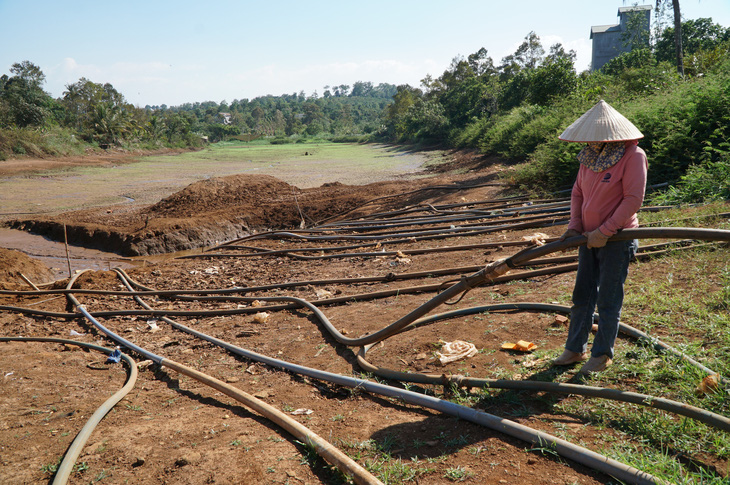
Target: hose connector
(496, 269)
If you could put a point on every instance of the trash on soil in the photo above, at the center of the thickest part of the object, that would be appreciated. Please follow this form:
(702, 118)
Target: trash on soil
(74, 333)
(144, 364)
(261, 317)
(114, 357)
(456, 350)
(709, 384)
(520, 346)
(299, 411)
(322, 293)
(152, 324)
(537, 239)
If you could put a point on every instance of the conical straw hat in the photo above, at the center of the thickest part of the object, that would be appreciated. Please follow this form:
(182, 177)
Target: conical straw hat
(601, 123)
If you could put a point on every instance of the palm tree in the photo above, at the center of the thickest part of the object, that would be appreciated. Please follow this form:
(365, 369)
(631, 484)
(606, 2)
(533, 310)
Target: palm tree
(109, 124)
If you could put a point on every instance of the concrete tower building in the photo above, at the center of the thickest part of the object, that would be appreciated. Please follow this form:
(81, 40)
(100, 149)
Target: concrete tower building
(607, 39)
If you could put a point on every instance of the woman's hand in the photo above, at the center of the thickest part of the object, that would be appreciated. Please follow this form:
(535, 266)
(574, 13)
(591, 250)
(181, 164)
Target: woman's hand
(596, 239)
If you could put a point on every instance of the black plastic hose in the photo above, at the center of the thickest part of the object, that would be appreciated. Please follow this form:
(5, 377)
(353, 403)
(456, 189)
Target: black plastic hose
(505, 426)
(324, 449)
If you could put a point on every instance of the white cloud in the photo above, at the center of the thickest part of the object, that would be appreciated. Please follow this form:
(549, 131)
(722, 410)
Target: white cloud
(582, 47)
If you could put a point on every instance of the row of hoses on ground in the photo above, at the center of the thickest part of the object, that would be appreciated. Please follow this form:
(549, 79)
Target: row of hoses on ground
(493, 273)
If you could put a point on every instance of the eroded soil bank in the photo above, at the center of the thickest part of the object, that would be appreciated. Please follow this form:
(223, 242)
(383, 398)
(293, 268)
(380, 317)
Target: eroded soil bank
(220, 209)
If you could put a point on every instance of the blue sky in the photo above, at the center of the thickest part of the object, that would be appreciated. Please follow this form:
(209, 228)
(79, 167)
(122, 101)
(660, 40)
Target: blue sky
(172, 52)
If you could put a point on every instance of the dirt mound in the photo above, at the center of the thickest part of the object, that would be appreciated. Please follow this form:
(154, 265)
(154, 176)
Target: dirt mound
(207, 213)
(14, 263)
(222, 193)
(220, 209)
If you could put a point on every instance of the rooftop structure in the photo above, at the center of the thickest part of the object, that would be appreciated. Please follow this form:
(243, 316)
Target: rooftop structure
(608, 41)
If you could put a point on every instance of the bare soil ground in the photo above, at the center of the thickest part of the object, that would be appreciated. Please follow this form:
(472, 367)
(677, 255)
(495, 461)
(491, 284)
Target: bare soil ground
(172, 429)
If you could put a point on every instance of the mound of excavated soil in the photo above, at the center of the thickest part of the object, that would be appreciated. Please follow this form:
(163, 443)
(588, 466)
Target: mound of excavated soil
(14, 263)
(220, 209)
(216, 194)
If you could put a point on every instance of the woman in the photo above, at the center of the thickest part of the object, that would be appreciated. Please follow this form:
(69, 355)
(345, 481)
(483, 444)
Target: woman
(606, 196)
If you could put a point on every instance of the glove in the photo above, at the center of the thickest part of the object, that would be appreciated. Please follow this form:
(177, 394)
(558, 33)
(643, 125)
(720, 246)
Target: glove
(596, 239)
(569, 233)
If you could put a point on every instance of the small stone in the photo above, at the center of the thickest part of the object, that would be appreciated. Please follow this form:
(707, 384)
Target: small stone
(138, 461)
(560, 320)
(231, 380)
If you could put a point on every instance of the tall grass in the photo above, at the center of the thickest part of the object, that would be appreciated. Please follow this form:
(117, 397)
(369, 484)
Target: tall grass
(54, 141)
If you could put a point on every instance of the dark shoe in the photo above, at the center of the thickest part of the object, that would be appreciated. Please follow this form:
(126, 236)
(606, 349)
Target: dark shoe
(596, 364)
(568, 357)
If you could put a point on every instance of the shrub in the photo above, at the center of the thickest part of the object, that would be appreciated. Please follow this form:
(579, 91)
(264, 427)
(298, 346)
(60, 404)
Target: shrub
(349, 139)
(469, 136)
(704, 182)
(500, 134)
(280, 140)
(689, 126)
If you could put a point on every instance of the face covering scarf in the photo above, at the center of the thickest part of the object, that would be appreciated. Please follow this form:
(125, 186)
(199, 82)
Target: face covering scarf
(601, 156)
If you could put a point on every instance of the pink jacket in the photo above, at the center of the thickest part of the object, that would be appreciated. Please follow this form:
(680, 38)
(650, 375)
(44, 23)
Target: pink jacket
(609, 200)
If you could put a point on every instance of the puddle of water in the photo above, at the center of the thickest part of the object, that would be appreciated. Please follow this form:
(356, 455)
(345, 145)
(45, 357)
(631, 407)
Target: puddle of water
(53, 253)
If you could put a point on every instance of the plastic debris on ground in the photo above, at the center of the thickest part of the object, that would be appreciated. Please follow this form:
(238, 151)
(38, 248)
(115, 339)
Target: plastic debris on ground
(456, 350)
(537, 239)
(114, 357)
(261, 317)
(520, 346)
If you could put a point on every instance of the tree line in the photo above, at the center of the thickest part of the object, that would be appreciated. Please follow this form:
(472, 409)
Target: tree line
(513, 109)
(340, 111)
(90, 113)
